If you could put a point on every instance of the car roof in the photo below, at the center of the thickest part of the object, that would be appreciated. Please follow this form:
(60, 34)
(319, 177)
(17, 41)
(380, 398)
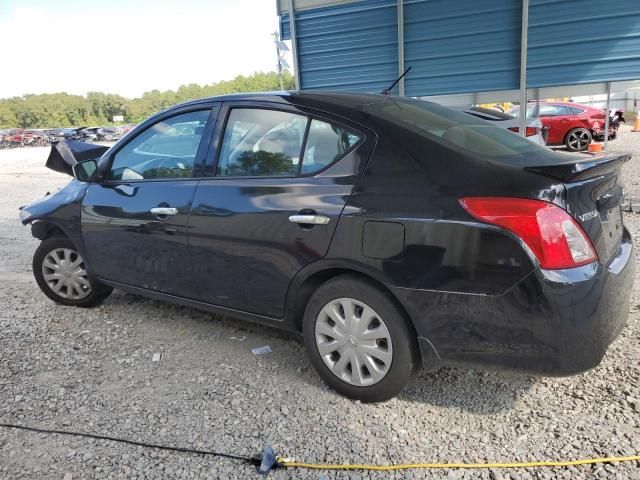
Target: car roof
(567, 104)
(317, 97)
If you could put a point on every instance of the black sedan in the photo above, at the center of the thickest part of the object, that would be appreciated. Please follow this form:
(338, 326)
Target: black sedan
(388, 232)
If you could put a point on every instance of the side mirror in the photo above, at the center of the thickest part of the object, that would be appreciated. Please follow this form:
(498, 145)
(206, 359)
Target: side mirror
(85, 171)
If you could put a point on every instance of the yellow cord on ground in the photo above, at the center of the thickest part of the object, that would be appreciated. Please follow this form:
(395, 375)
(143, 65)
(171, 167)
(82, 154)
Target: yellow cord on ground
(289, 463)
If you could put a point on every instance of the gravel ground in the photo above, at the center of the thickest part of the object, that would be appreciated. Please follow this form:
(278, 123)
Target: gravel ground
(92, 371)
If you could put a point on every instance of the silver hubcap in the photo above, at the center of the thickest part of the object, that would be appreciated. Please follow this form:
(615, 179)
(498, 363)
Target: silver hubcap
(353, 342)
(579, 140)
(63, 270)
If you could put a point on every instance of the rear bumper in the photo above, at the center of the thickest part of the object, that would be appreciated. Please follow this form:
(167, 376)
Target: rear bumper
(554, 322)
(598, 132)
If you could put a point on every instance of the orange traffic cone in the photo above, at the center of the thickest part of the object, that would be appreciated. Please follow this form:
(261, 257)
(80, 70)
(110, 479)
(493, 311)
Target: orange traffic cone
(636, 124)
(595, 147)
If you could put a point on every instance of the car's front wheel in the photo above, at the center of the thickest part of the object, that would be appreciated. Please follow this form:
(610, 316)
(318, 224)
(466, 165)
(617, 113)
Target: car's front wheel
(61, 274)
(358, 339)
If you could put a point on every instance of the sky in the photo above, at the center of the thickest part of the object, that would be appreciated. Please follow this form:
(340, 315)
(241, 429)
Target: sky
(131, 46)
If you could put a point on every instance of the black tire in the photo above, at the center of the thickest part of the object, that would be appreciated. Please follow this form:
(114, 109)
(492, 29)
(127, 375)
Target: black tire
(403, 340)
(97, 291)
(578, 139)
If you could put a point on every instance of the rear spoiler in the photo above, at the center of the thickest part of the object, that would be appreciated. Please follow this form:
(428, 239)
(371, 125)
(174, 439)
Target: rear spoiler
(65, 154)
(583, 169)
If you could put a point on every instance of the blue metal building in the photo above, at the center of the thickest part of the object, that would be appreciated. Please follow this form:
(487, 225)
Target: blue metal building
(485, 49)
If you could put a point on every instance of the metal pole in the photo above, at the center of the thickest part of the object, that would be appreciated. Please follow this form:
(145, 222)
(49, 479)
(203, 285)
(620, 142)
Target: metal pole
(276, 38)
(606, 117)
(294, 48)
(401, 46)
(524, 34)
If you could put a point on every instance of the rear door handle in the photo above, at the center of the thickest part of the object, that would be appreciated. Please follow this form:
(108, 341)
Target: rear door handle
(309, 219)
(164, 211)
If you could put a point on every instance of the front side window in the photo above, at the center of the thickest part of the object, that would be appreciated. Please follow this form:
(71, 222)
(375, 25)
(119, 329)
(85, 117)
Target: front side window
(167, 149)
(260, 142)
(325, 144)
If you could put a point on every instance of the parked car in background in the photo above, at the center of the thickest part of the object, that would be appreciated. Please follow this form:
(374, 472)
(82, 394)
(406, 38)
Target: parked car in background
(73, 134)
(570, 124)
(34, 138)
(535, 131)
(19, 137)
(107, 134)
(88, 134)
(98, 134)
(385, 231)
(126, 129)
(617, 115)
(53, 134)
(13, 137)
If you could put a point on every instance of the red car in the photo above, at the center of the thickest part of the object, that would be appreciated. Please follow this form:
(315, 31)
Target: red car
(14, 137)
(570, 124)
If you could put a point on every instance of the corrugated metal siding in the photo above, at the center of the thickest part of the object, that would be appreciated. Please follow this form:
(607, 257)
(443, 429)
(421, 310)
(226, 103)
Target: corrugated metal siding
(467, 45)
(282, 6)
(583, 41)
(348, 47)
(461, 46)
(285, 31)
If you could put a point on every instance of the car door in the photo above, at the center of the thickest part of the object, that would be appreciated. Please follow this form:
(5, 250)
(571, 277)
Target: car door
(564, 120)
(554, 118)
(270, 202)
(135, 218)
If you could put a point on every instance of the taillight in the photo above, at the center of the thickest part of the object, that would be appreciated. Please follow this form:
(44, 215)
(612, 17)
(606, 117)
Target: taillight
(550, 232)
(530, 131)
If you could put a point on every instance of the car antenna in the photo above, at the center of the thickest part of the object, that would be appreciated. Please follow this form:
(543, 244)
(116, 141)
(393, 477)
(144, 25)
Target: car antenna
(388, 90)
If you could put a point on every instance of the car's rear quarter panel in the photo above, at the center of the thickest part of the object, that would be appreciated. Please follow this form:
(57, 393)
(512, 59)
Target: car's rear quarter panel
(468, 287)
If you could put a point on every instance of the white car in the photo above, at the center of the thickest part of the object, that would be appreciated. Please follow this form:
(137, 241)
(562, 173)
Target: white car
(535, 131)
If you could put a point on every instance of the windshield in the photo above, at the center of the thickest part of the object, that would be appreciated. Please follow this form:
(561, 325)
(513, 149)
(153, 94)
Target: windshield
(463, 132)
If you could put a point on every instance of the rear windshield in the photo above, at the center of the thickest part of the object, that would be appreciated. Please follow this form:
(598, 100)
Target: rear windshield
(463, 132)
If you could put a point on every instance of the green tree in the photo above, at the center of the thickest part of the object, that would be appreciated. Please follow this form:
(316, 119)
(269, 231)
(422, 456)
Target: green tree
(97, 108)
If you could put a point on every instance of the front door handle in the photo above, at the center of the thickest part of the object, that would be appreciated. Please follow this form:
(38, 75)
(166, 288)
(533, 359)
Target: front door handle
(309, 219)
(164, 211)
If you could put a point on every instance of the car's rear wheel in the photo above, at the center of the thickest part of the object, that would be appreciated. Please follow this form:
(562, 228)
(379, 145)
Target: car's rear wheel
(358, 339)
(62, 276)
(578, 139)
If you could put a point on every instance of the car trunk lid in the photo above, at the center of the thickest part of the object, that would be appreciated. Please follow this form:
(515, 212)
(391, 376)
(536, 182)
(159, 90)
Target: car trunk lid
(594, 195)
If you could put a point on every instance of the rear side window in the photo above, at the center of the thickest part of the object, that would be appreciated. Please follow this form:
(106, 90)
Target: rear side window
(326, 143)
(260, 142)
(554, 110)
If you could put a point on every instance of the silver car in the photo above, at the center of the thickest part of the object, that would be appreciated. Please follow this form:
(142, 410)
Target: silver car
(535, 130)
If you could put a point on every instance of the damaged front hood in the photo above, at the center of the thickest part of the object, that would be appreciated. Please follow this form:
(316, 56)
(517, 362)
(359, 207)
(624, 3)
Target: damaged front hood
(65, 154)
